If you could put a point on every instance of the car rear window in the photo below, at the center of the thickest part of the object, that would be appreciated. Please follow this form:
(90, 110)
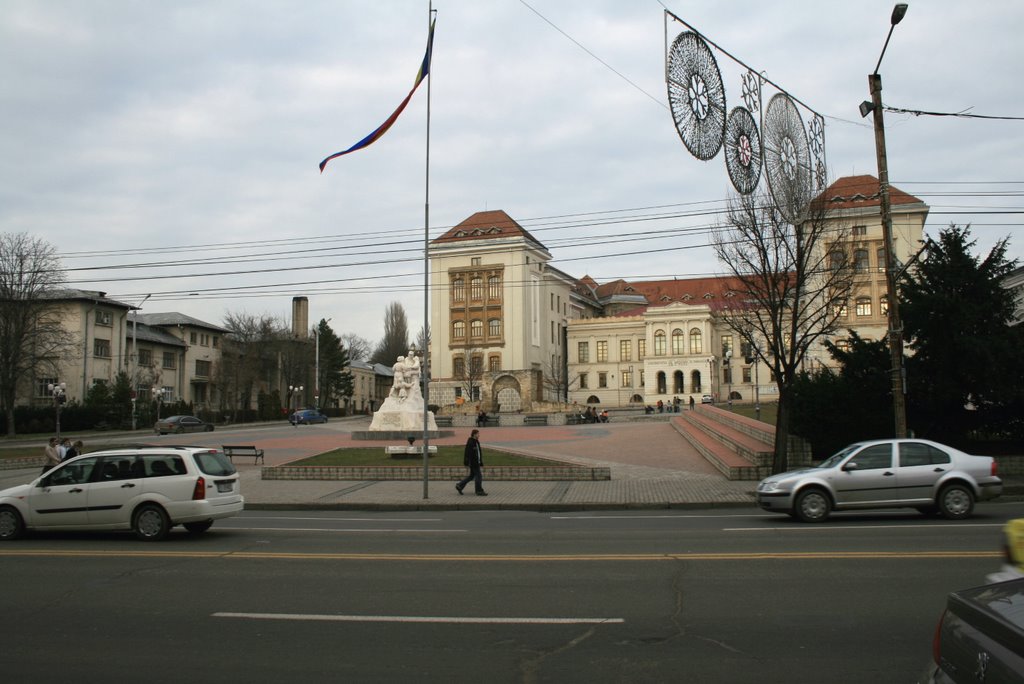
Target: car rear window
(214, 463)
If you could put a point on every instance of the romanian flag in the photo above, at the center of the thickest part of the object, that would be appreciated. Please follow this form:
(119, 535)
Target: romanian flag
(383, 128)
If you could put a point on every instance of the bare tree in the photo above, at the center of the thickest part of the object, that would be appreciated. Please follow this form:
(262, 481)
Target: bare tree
(469, 372)
(795, 278)
(558, 381)
(249, 353)
(395, 342)
(32, 340)
(358, 348)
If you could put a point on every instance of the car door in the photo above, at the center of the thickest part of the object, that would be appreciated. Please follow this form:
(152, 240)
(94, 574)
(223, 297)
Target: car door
(867, 477)
(921, 466)
(61, 498)
(190, 424)
(117, 483)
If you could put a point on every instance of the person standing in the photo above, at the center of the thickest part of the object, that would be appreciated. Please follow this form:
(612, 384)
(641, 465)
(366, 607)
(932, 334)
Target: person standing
(62, 449)
(50, 454)
(473, 458)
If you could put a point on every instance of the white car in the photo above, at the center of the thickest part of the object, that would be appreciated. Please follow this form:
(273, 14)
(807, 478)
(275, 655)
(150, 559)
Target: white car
(145, 489)
(885, 473)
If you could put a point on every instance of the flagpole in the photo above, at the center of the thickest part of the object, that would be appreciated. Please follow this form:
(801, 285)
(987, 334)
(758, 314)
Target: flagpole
(425, 366)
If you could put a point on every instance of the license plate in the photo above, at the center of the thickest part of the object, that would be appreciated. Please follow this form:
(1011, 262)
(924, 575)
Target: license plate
(225, 486)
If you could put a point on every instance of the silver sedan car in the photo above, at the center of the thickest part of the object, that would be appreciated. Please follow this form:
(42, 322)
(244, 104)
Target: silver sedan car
(884, 473)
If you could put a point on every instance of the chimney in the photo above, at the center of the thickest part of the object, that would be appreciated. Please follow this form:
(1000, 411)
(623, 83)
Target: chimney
(300, 318)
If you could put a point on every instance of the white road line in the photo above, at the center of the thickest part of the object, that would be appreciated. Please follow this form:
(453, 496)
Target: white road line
(331, 519)
(645, 517)
(325, 529)
(415, 618)
(831, 528)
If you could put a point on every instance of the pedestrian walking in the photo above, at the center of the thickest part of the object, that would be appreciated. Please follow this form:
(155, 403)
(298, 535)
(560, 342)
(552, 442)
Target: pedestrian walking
(473, 458)
(691, 402)
(62, 449)
(50, 455)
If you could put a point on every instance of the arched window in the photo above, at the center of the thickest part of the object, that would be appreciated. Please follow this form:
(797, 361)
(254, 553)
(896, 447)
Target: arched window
(494, 327)
(494, 287)
(458, 290)
(695, 387)
(883, 305)
(459, 330)
(696, 341)
(837, 259)
(476, 328)
(458, 367)
(662, 389)
(677, 382)
(659, 343)
(476, 288)
(678, 343)
(863, 306)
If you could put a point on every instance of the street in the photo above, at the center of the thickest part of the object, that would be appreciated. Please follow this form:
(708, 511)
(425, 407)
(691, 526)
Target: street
(725, 595)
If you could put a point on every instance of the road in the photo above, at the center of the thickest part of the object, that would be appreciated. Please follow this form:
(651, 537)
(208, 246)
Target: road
(729, 595)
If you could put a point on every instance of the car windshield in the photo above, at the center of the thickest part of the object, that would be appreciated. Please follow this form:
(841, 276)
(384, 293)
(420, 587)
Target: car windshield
(214, 463)
(836, 458)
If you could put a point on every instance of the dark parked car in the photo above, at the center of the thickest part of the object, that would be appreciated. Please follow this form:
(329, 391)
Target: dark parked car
(307, 417)
(180, 424)
(980, 637)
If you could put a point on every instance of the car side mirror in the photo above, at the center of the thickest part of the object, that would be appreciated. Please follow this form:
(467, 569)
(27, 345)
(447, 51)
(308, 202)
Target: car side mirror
(850, 466)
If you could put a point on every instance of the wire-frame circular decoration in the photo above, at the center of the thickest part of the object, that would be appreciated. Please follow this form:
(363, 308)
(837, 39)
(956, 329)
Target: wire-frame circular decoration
(742, 150)
(787, 157)
(816, 140)
(696, 95)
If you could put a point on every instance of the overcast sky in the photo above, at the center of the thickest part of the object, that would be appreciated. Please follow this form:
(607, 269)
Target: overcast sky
(182, 138)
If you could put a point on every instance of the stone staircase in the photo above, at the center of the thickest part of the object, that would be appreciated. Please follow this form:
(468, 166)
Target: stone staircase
(741, 448)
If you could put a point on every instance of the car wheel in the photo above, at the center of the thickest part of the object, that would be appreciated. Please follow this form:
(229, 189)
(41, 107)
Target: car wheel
(11, 524)
(209, 428)
(198, 527)
(956, 502)
(178, 430)
(150, 523)
(812, 505)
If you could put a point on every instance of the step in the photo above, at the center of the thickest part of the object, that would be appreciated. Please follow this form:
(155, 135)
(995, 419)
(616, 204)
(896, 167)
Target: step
(728, 462)
(755, 450)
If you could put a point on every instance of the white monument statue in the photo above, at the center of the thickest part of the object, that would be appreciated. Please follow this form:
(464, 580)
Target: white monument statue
(403, 408)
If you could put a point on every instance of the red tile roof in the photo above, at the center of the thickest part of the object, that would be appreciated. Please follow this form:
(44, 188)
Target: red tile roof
(852, 192)
(487, 225)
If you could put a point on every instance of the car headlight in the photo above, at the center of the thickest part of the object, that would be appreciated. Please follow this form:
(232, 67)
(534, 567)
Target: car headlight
(768, 486)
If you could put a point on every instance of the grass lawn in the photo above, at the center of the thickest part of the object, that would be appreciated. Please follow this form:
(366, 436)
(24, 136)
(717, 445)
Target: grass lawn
(445, 456)
(768, 411)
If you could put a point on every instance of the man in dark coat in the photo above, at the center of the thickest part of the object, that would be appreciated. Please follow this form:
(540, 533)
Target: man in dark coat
(473, 458)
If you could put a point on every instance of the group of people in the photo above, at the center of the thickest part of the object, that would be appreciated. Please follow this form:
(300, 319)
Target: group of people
(591, 415)
(56, 451)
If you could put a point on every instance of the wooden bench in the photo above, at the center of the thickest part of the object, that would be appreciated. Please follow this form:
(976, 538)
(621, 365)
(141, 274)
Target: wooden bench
(535, 420)
(443, 421)
(243, 450)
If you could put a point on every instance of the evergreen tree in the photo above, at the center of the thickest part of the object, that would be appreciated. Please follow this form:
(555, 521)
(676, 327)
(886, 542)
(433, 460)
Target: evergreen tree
(395, 342)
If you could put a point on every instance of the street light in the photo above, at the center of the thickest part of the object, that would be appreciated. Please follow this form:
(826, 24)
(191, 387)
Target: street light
(158, 397)
(59, 394)
(292, 391)
(135, 356)
(895, 332)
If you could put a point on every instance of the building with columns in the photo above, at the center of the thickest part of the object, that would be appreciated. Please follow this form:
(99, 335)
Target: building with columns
(512, 333)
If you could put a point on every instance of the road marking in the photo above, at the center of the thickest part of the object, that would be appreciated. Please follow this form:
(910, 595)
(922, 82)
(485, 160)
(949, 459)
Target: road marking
(330, 519)
(645, 517)
(417, 618)
(397, 557)
(831, 528)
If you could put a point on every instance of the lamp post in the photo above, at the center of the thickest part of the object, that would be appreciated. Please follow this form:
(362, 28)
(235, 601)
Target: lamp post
(58, 392)
(895, 332)
(293, 390)
(135, 357)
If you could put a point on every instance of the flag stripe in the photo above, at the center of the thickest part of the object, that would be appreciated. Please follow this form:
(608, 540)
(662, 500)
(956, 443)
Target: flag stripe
(383, 128)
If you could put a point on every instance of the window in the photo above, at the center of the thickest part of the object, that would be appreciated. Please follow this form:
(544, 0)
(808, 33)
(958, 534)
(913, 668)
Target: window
(641, 349)
(602, 351)
(192, 338)
(746, 374)
(696, 341)
(839, 309)
(727, 375)
(837, 259)
(101, 348)
(104, 318)
(494, 363)
(476, 365)
(476, 328)
(459, 330)
(145, 357)
(475, 261)
(727, 347)
(918, 454)
(216, 341)
(859, 231)
(494, 327)
(169, 361)
(583, 381)
(627, 378)
(863, 306)
(659, 343)
(641, 377)
(476, 288)
(860, 260)
(553, 302)
(883, 305)
(202, 368)
(678, 342)
(583, 352)
(881, 259)
(602, 379)
(494, 287)
(459, 367)
(873, 457)
(458, 290)
(625, 350)
(843, 345)
(43, 386)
